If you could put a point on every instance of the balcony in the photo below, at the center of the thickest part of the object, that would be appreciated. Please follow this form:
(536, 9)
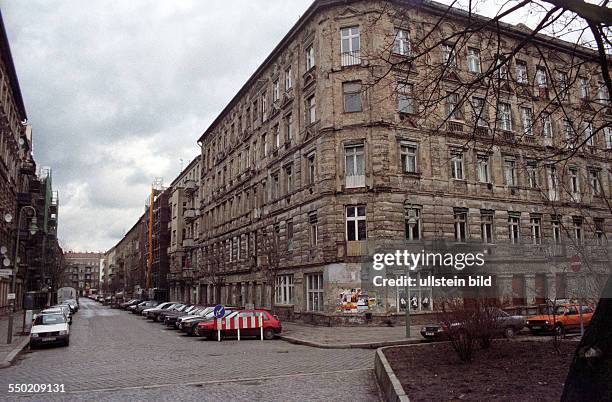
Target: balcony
(188, 243)
(351, 58)
(190, 214)
(190, 186)
(355, 181)
(454, 126)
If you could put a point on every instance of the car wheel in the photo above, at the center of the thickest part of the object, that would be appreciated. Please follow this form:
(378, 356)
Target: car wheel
(509, 332)
(268, 334)
(67, 342)
(32, 346)
(560, 330)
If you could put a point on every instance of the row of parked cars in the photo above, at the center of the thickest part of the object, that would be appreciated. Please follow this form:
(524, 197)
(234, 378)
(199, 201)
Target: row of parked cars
(52, 325)
(197, 320)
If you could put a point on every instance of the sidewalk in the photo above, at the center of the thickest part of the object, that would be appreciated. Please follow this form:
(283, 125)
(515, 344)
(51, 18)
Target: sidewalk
(349, 337)
(8, 353)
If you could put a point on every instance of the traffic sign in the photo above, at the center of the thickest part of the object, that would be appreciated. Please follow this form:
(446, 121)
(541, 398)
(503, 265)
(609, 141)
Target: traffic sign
(219, 311)
(575, 263)
(6, 272)
(10, 296)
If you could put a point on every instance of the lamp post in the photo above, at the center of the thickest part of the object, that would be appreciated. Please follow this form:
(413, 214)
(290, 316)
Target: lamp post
(33, 229)
(412, 220)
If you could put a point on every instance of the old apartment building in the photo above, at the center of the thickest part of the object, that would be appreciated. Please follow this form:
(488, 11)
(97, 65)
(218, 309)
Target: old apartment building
(83, 271)
(184, 206)
(322, 157)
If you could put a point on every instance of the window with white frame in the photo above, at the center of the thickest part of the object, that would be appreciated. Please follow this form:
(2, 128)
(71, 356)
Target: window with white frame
(541, 77)
(608, 134)
(419, 298)
(453, 111)
(449, 56)
(563, 85)
(478, 106)
(556, 229)
(552, 181)
(603, 96)
(310, 57)
(275, 190)
(409, 152)
(574, 183)
(583, 88)
(504, 116)
(288, 78)
(594, 181)
(600, 232)
(314, 292)
(578, 232)
(502, 69)
(289, 229)
(289, 178)
(311, 109)
(514, 227)
(461, 228)
(521, 72)
(276, 90)
(289, 127)
(546, 125)
(354, 165)
(532, 174)
(311, 168)
(404, 97)
(536, 229)
(457, 165)
(587, 130)
(313, 232)
(350, 46)
(486, 226)
(401, 44)
(277, 136)
(484, 175)
(356, 223)
(412, 220)
(510, 172)
(474, 60)
(570, 133)
(283, 289)
(526, 120)
(264, 107)
(352, 96)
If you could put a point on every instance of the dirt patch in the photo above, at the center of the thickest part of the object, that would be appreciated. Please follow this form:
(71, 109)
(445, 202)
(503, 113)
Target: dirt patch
(508, 371)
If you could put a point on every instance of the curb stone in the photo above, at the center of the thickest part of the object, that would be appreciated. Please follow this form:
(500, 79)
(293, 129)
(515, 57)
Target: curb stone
(389, 384)
(15, 352)
(366, 345)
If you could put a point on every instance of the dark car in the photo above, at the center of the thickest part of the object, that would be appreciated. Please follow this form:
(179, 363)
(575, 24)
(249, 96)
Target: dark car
(153, 313)
(182, 310)
(140, 307)
(171, 319)
(507, 325)
(196, 315)
(127, 304)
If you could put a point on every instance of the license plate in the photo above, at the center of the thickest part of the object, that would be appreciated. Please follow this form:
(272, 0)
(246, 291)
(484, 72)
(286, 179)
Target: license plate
(536, 327)
(429, 333)
(49, 339)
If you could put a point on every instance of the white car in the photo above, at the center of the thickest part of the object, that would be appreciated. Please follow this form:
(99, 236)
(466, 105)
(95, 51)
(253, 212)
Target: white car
(50, 328)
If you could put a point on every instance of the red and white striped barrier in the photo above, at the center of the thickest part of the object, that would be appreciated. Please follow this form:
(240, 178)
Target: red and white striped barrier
(237, 323)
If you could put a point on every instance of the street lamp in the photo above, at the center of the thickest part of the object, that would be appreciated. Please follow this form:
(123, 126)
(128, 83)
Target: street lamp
(33, 228)
(412, 220)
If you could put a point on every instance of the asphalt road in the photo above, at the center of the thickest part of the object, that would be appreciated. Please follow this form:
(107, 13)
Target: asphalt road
(115, 355)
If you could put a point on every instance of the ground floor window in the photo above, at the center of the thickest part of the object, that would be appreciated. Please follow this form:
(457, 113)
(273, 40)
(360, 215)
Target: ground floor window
(314, 292)
(283, 289)
(419, 297)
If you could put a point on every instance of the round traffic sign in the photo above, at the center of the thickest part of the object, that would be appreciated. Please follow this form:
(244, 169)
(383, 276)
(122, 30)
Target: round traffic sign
(219, 311)
(575, 263)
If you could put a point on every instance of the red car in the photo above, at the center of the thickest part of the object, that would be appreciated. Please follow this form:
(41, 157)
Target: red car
(271, 326)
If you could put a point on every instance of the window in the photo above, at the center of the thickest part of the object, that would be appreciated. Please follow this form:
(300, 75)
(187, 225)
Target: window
(401, 44)
(505, 116)
(574, 183)
(478, 106)
(313, 232)
(277, 137)
(264, 106)
(514, 222)
(570, 135)
(608, 135)
(541, 78)
(536, 226)
(264, 145)
(532, 174)
(289, 178)
(314, 291)
(578, 234)
(289, 235)
(355, 169)
(563, 85)
(350, 46)
(275, 186)
(453, 110)
(510, 172)
(583, 88)
(409, 157)
(311, 110)
(412, 219)
(288, 127)
(288, 78)
(603, 96)
(587, 129)
(552, 181)
(486, 226)
(594, 181)
(283, 289)
(310, 168)
(556, 229)
(483, 168)
(521, 72)
(546, 125)
(600, 233)
(502, 69)
(352, 96)
(419, 298)
(526, 120)
(404, 97)
(457, 165)
(461, 225)
(276, 91)
(474, 60)
(449, 56)
(310, 57)
(356, 223)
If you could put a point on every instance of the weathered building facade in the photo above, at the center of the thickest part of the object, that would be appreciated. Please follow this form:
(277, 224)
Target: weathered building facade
(83, 269)
(323, 157)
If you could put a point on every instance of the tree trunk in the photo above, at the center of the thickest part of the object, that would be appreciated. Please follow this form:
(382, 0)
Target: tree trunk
(590, 374)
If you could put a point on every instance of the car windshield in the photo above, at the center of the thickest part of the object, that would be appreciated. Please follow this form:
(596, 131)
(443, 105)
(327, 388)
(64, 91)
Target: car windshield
(50, 319)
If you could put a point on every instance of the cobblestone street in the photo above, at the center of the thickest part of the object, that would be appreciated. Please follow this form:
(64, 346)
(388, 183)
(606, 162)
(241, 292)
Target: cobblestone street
(115, 355)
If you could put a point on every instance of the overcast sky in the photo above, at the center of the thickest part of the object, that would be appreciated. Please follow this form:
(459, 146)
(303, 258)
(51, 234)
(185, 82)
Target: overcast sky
(119, 91)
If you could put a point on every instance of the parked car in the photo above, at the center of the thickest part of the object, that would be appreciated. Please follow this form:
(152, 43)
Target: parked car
(561, 319)
(50, 328)
(65, 310)
(189, 324)
(129, 303)
(74, 304)
(185, 309)
(140, 307)
(159, 316)
(271, 326)
(171, 319)
(153, 312)
(507, 326)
